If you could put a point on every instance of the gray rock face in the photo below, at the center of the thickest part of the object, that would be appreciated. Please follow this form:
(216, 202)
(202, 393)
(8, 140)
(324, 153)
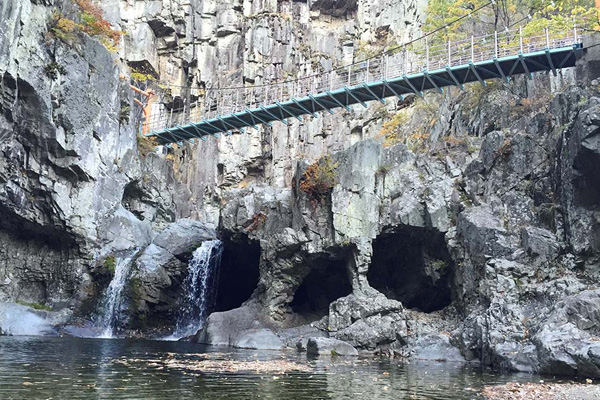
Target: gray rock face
(329, 347)
(159, 271)
(436, 348)
(68, 156)
(510, 191)
(240, 328)
(566, 342)
(344, 311)
(20, 320)
(184, 236)
(260, 339)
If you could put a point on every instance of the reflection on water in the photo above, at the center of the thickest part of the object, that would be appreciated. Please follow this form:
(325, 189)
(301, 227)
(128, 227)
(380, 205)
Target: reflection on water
(73, 368)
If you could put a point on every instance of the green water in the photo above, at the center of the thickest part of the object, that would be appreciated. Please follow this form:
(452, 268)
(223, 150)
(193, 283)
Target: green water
(71, 368)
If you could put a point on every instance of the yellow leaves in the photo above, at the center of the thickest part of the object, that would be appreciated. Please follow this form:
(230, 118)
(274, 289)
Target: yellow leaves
(91, 22)
(65, 24)
(390, 129)
(558, 15)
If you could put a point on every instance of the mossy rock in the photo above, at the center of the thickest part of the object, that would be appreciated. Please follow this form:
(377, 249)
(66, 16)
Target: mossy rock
(35, 306)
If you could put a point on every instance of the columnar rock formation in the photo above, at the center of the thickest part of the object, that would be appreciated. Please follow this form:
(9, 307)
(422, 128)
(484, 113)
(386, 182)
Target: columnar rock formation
(475, 237)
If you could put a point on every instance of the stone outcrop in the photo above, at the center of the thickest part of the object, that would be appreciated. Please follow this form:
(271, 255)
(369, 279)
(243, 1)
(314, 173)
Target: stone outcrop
(472, 235)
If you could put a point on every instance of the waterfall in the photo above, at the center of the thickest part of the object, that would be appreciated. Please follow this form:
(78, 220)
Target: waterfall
(199, 289)
(111, 298)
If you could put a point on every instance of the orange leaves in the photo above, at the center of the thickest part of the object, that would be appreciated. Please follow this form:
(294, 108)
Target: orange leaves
(92, 22)
(319, 179)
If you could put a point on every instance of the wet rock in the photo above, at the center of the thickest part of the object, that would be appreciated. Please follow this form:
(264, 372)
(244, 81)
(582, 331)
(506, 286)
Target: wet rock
(436, 348)
(184, 236)
(226, 328)
(20, 320)
(329, 347)
(297, 337)
(260, 339)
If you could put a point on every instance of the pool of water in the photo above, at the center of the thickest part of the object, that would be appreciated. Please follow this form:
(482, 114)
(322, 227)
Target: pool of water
(73, 368)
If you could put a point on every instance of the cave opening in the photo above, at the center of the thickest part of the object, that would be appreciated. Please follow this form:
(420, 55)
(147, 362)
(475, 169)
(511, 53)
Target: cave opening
(238, 273)
(327, 281)
(413, 265)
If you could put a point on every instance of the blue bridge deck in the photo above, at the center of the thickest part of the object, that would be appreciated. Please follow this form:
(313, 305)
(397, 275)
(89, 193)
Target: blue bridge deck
(548, 59)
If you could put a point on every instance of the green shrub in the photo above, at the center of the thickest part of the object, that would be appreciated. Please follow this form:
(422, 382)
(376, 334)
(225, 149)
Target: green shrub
(110, 263)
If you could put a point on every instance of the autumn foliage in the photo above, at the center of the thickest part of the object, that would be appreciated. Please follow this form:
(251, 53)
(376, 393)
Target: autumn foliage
(91, 21)
(319, 179)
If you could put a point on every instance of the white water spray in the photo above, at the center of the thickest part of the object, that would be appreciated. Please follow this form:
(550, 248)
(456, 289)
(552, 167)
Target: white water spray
(199, 287)
(111, 299)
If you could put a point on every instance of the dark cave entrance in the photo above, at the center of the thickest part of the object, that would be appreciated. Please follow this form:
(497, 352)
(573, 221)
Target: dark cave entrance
(238, 272)
(413, 265)
(327, 281)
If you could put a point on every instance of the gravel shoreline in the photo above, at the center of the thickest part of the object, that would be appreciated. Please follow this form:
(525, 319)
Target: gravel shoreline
(550, 391)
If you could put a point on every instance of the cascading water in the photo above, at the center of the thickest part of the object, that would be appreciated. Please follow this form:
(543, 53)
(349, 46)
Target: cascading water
(111, 299)
(199, 289)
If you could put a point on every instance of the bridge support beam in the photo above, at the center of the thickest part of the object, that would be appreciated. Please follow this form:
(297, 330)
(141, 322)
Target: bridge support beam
(252, 116)
(389, 86)
(186, 131)
(430, 79)
(474, 70)
(282, 110)
(525, 67)
(454, 79)
(232, 126)
(267, 123)
(176, 138)
(304, 108)
(213, 126)
(379, 98)
(242, 121)
(412, 87)
(337, 101)
(273, 116)
(362, 103)
(200, 132)
(322, 105)
(500, 71)
(550, 62)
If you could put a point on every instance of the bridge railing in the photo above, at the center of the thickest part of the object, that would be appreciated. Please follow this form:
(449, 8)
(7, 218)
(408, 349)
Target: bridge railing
(208, 103)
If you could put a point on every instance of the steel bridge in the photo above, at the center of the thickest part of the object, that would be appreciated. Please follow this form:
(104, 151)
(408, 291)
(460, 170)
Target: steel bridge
(426, 64)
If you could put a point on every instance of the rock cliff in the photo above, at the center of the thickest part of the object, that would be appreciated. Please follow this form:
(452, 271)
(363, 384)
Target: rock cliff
(472, 236)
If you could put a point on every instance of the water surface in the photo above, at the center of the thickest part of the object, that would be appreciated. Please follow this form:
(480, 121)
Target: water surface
(75, 368)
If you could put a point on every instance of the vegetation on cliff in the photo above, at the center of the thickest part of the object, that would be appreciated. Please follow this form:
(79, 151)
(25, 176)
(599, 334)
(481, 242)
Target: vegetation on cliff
(90, 20)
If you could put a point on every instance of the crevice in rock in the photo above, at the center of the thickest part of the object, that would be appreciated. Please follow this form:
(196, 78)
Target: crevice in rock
(326, 282)
(586, 170)
(239, 271)
(413, 265)
(133, 199)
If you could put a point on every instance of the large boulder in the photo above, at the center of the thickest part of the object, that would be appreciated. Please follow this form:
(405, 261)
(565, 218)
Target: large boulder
(373, 331)
(21, 320)
(436, 348)
(241, 328)
(260, 339)
(344, 311)
(184, 236)
(567, 342)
